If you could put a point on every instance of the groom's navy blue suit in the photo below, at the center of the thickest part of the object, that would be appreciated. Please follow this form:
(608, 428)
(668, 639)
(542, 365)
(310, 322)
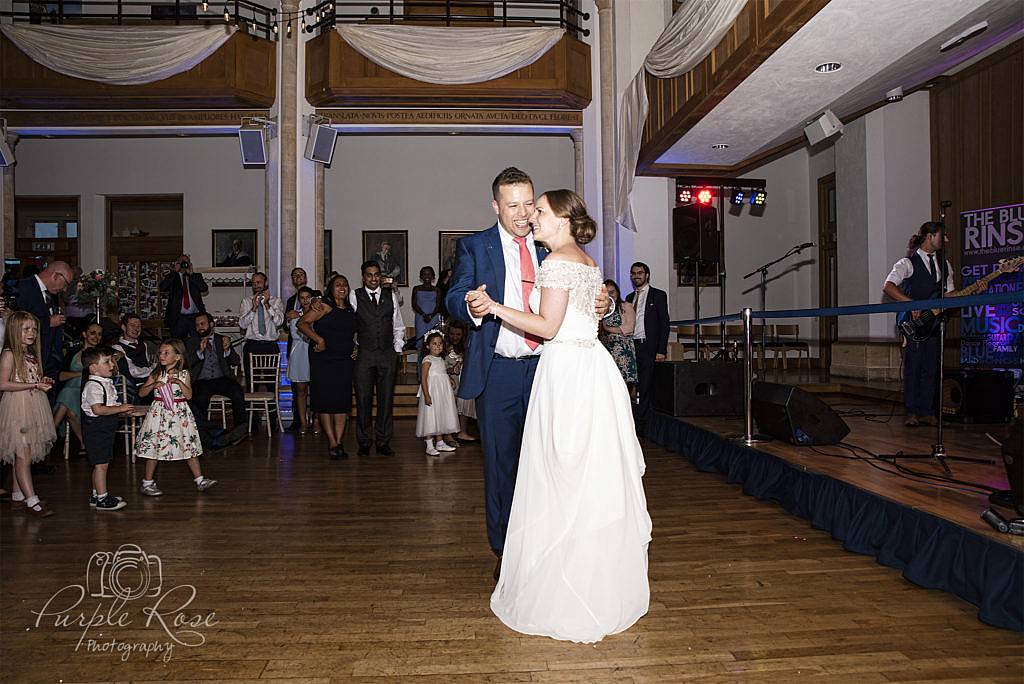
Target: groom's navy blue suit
(500, 386)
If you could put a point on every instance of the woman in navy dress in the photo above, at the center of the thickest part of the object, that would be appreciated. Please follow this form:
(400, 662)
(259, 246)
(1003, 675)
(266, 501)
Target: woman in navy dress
(330, 325)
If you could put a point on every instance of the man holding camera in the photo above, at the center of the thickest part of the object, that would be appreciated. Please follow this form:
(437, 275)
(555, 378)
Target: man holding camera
(184, 290)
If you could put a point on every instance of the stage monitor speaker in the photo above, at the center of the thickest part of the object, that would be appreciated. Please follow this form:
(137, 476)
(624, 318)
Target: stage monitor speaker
(705, 388)
(796, 416)
(974, 395)
(252, 141)
(694, 233)
(823, 126)
(1013, 459)
(320, 143)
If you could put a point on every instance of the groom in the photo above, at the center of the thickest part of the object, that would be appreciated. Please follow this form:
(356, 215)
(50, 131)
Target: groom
(500, 360)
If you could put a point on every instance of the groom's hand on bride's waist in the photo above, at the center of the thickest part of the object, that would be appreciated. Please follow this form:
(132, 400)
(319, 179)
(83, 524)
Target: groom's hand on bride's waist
(603, 303)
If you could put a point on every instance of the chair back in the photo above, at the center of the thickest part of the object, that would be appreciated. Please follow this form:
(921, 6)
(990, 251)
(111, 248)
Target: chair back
(265, 370)
(121, 384)
(685, 332)
(788, 330)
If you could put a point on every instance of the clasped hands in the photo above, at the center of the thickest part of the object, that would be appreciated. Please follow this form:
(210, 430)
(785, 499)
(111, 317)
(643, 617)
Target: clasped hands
(481, 304)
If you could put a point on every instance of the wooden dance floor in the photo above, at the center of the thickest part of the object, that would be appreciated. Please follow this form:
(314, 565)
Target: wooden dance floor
(378, 570)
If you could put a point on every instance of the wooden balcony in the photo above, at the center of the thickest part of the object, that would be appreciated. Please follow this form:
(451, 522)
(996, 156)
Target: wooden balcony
(241, 74)
(338, 76)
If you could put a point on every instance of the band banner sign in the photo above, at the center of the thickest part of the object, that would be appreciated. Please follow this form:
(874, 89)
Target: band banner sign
(992, 336)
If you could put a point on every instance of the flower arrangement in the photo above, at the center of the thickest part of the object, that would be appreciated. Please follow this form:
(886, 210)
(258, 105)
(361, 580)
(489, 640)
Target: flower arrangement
(97, 288)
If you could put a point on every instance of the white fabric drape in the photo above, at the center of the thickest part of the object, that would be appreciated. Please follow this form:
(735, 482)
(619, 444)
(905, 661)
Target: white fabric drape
(694, 30)
(119, 55)
(451, 55)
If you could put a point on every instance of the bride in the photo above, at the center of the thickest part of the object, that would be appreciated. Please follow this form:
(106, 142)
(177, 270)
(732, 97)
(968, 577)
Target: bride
(575, 560)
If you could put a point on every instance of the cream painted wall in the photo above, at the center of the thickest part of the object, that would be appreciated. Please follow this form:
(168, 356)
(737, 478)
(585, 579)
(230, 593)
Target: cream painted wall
(426, 184)
(217, 191)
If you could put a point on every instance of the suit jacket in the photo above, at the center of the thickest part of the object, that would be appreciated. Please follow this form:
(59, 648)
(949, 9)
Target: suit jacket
(656, 326)
(479, 260)
(30, 299)
(171, 285)
(195, 364)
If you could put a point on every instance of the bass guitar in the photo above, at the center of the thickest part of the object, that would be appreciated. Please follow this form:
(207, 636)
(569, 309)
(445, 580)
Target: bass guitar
(921, 328)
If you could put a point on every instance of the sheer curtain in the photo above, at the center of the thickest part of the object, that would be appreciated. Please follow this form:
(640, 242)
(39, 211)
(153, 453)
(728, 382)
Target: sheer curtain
(694, 30)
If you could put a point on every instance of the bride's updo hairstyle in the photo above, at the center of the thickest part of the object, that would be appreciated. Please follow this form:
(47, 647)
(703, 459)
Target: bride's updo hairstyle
(567, 204)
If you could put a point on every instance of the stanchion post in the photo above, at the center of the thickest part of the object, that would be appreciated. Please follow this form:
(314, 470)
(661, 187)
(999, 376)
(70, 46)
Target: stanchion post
(748, 378)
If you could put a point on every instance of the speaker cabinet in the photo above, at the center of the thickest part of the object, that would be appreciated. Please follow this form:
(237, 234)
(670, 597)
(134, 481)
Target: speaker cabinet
(694, 233)
(251, 140)
(824, 126)
(1013, 459)
(706, 388)
(320, 143)
(974, 395)
(798, 417)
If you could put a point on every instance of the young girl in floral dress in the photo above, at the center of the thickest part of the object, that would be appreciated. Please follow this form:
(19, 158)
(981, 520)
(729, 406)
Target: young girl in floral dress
(169, 432)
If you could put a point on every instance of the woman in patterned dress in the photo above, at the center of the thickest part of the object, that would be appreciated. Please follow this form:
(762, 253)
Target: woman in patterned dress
(616, 333)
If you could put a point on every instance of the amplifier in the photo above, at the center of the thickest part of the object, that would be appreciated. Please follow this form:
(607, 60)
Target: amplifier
(974, 395)
(698, 388)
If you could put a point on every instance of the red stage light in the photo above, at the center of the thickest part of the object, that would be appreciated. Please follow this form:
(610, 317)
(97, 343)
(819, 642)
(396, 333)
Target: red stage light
(704, 196)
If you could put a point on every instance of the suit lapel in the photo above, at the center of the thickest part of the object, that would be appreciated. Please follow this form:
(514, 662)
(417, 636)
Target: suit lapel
(495, 252)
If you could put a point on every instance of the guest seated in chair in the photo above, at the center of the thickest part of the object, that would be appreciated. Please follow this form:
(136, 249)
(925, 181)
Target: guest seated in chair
(209, 357)
(134, 360)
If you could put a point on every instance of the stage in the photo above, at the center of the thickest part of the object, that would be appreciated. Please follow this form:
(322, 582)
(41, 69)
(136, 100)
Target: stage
(933, 534)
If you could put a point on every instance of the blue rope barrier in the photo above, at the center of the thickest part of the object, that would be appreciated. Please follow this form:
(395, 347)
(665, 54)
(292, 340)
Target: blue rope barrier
(860, 309)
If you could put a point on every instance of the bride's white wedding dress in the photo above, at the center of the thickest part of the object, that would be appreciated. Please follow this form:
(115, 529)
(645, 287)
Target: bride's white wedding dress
(575, 560)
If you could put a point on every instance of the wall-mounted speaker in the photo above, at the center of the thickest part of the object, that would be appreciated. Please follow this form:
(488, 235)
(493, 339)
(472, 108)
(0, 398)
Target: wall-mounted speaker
(253, 143)
(320, 143)
(823, 126)
(694, 233)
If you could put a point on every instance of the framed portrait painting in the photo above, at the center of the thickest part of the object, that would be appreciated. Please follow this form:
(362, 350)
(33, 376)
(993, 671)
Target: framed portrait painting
(390, 249)
(446, 242)
(234, 248)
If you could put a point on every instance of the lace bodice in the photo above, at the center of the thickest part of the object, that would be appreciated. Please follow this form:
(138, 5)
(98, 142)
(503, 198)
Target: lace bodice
(583, 283)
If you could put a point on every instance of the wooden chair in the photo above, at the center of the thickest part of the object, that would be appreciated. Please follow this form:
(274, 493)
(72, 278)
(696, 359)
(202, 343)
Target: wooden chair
(787, 339)
(222, 405)
(129, 424)
(685, 337)
(410, 332)
(734, 331)
(265, 370)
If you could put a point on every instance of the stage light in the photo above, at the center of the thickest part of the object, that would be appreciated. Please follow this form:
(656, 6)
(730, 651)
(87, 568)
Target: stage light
(704, 196)
(685, 196)
(758, 198)
(738, 196)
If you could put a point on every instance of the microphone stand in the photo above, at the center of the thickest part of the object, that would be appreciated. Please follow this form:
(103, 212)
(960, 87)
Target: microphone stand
(763, 270)
(939, 449)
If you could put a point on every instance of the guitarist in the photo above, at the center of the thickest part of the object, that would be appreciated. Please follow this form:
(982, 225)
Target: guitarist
(916, 277)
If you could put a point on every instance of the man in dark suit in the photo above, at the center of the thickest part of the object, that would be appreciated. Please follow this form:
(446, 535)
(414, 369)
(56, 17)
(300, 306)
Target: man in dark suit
(37, 294)
(210, 357)
(184, 290)
(650, 336)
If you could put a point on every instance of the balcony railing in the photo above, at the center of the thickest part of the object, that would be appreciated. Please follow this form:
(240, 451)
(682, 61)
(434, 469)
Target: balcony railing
(249, 16)
(565, 14)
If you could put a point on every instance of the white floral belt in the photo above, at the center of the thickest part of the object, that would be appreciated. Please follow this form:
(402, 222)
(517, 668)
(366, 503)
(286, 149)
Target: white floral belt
(587, 343)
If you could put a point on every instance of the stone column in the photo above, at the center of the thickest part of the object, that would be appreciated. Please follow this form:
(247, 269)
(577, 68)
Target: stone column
(289, 125)
(609, 231)
(7, 201)
(577, 145)
(319, 225)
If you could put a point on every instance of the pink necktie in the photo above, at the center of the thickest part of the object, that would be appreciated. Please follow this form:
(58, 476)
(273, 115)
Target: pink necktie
(528, 275)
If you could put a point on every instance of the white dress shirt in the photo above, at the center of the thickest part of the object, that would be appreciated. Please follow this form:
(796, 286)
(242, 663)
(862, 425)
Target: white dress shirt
(397, 323)
(93, 394)
(640, 304)
(273, 313)
(137, 372)
(46, 294)
(904, 268)
(511, 341)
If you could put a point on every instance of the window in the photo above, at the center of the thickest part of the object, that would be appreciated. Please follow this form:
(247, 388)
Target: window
(46, 230)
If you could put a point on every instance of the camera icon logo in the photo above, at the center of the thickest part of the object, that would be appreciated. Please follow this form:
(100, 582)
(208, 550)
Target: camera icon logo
(127, 574)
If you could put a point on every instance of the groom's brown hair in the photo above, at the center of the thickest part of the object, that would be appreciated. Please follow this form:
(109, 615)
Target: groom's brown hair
(510, 176)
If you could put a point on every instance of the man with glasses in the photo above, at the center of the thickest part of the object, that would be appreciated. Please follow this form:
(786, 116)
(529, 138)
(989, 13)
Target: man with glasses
(38, 295)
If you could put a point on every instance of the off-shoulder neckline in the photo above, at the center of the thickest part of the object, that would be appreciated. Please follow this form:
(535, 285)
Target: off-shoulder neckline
(570, 263)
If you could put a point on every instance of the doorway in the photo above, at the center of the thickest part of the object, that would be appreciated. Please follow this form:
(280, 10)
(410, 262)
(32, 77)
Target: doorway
(828, 326)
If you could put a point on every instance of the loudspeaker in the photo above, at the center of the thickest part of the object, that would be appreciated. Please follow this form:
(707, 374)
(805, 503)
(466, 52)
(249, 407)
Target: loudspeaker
(705, 388)
(695, 233)
(824, 125)
(320, 143)
(798, 417)
(251, 140)
(971, 395)
(1013, 459)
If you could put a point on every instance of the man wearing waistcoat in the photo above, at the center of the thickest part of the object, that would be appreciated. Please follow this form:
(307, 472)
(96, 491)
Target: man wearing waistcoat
(380, 333)
(915, 277)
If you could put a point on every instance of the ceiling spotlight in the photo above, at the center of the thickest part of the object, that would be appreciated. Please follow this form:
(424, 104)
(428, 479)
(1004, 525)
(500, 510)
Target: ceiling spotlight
(685, 196)
(758, 198)
(828, 67)
(704, 196)
(738, 196)
(894, 95)
(720, 146)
